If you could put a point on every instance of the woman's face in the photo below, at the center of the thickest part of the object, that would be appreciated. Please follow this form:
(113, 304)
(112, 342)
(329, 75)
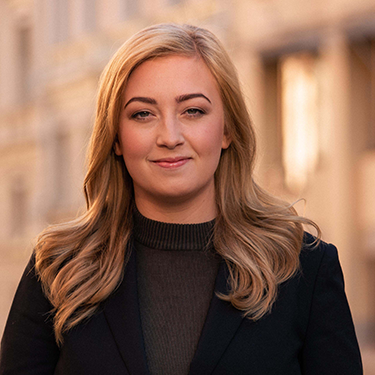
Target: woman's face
(171, 132)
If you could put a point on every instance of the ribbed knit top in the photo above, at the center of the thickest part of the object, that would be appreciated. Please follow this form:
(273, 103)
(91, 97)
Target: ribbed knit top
(166, 236)
(176, 272)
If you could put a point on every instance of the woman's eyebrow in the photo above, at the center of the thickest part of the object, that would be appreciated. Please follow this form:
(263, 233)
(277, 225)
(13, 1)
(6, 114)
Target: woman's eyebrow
(184, 97)
(142, 99)
(179, 99)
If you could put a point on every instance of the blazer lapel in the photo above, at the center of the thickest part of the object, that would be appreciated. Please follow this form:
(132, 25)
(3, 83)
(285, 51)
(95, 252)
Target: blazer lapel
(221, 324)
(123, 317)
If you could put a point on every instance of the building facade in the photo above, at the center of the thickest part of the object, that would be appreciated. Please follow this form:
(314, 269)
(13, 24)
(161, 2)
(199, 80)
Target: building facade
(308, 73)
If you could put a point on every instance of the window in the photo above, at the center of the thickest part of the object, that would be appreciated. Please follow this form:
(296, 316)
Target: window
(362, 58)
(90, 15)
(24, 59)
(273, 154)
(130, 8)
(18, 196)
(61, 17)
(299, 104)
(292, 115)
(62, 167)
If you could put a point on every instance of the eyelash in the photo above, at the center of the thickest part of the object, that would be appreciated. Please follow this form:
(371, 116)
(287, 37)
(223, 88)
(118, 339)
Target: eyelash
(135, 115)
(197, 113)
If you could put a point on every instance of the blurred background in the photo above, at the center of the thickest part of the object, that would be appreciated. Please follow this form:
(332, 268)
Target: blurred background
(308, 74)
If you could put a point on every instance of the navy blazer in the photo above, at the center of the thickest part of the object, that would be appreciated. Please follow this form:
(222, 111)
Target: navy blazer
(309, 330)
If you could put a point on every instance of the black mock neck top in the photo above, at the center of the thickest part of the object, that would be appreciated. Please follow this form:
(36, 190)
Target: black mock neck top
(176, 272)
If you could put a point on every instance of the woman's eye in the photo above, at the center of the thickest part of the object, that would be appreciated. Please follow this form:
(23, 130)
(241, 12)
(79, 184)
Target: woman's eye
(141, 115)
(194, 112)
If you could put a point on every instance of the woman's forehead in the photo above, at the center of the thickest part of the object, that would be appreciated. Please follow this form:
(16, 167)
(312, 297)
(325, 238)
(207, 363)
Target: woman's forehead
(175, 74)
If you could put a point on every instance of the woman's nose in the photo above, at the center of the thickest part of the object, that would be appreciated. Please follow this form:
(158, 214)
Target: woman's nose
(169, 133)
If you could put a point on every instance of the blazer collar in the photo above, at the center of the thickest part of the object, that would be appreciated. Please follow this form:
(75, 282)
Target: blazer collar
(123, 317)
(221, 325)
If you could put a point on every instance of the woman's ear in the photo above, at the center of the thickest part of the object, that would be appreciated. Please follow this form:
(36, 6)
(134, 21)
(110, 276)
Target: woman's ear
(117, 147)
(226, 139)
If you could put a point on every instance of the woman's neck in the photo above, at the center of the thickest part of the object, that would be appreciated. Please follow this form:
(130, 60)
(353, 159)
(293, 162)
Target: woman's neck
(184, 213)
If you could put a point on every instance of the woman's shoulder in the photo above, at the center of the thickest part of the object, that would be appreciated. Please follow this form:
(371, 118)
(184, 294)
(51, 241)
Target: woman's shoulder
(29, 329)
(318, 257)
(30, 289)
(330, 336)
(314, 248)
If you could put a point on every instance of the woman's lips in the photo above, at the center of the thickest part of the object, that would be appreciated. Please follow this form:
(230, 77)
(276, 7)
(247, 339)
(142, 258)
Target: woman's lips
(171, 162)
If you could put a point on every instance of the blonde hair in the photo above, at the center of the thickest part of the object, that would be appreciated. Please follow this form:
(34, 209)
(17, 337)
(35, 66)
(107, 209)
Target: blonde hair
(80, 263)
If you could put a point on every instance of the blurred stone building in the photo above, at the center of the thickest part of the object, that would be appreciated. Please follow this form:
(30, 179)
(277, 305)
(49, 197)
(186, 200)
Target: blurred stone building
(308, 72)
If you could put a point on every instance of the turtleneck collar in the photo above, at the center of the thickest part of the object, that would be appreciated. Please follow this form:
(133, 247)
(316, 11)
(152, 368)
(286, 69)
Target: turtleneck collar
(167, 236)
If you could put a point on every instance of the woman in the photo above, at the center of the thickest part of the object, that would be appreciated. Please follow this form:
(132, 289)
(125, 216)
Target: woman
(182, 263)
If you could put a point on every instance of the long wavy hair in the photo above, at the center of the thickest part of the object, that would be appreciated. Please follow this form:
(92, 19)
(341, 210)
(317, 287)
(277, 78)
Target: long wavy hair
(80, 263)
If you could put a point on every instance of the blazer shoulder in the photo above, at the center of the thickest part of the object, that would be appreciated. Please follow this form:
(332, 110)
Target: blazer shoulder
(28, 344)
(314, 250)
(318, 257)
(330, 343)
